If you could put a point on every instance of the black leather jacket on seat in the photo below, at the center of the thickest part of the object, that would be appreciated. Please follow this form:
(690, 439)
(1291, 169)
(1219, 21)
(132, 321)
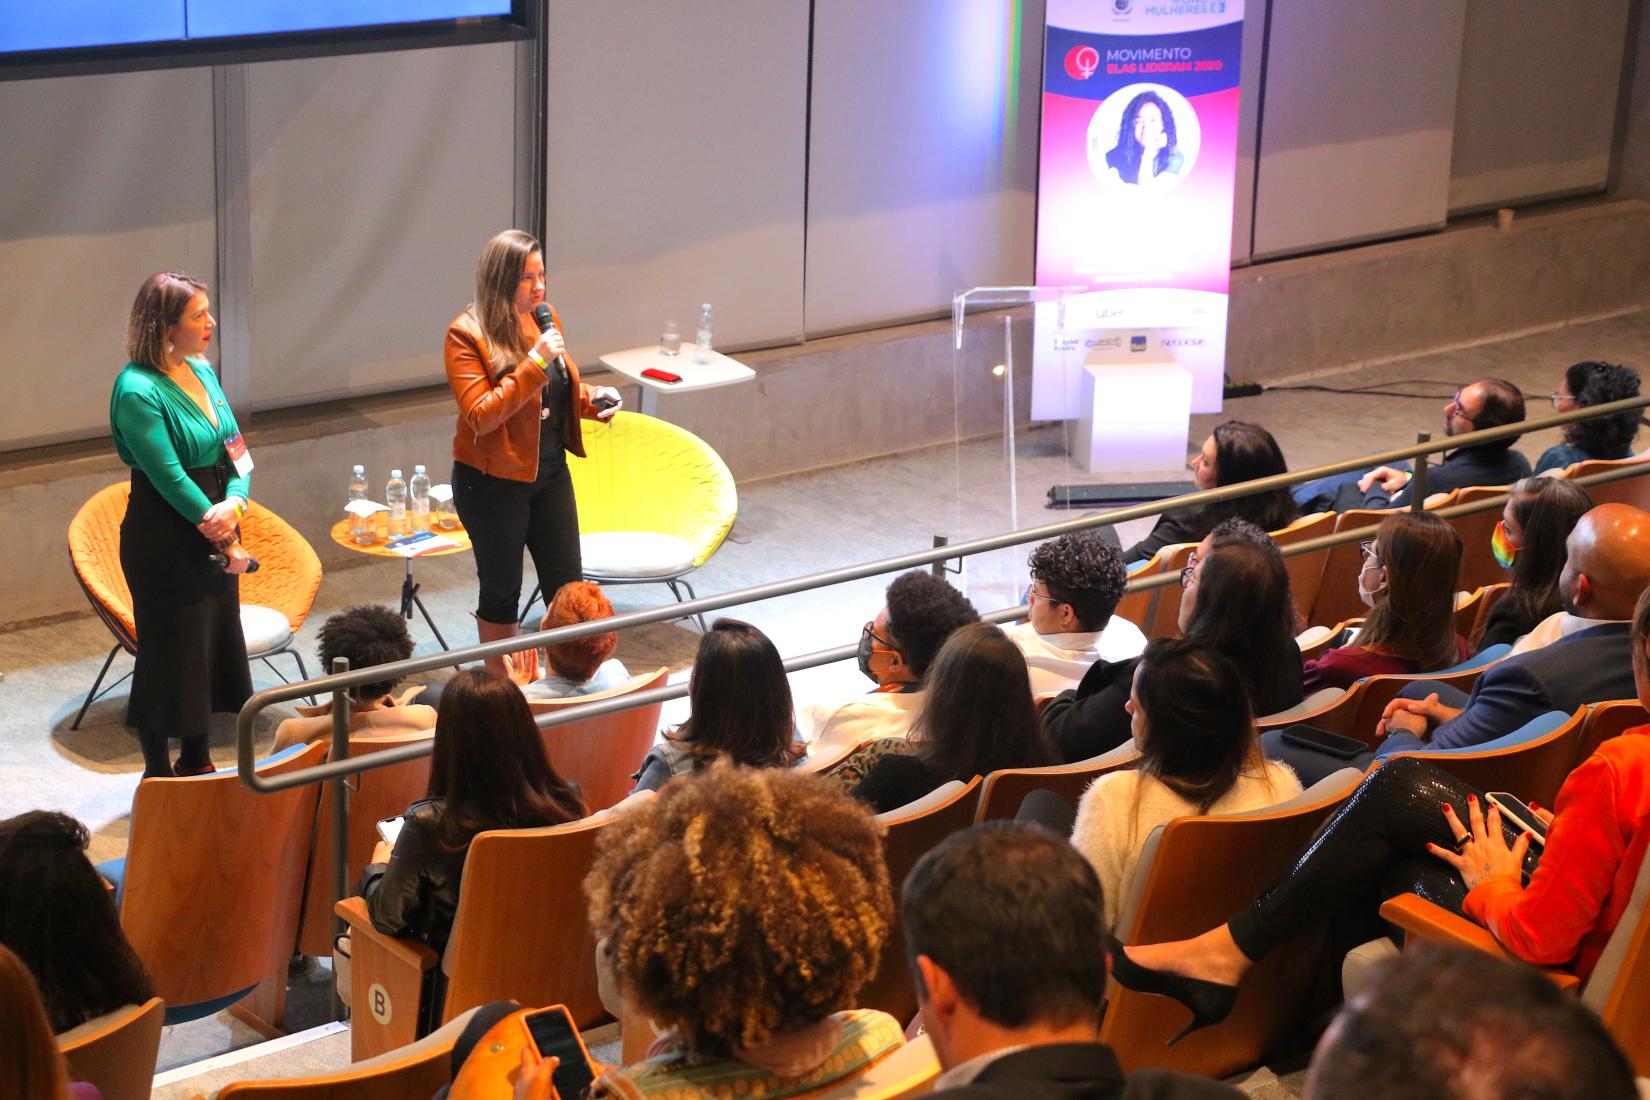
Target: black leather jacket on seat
(416, 893)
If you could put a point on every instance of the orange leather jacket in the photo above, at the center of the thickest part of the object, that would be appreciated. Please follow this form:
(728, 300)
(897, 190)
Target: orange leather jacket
(498, 412)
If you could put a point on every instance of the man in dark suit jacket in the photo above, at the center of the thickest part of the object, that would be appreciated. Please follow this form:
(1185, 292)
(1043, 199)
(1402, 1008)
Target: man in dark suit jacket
(1005, 928)
(1607, 567)
(1487, 403)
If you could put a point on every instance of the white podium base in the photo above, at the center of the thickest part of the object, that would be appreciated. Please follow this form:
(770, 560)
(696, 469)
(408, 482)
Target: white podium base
(1135, 417)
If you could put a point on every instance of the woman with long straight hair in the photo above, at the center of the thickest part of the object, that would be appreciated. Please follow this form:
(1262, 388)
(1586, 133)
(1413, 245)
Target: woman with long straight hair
(1531, 540)
(741, 700)
(1235, 452)
(1198, 755)
(519, 406)
(1408, 582)
(977, 717)
(488, 771)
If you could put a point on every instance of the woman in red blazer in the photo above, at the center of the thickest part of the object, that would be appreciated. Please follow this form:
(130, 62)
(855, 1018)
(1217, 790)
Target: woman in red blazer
(1410, 825)
(519, 406)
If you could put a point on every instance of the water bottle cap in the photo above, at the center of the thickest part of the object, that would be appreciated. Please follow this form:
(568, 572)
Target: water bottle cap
(395, 474)
(360, 469)
(418, 469)
(705, 307)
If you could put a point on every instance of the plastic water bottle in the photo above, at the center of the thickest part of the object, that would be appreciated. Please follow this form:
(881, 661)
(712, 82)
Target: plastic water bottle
(420, 499)
(360, 531)
(701, 346)
(395, 495)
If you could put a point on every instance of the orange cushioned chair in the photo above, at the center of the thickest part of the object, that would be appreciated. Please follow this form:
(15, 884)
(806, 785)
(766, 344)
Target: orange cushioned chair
(274, 601)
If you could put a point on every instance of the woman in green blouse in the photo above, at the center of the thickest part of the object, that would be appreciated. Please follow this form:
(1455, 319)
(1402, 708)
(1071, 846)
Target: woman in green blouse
(180, 541)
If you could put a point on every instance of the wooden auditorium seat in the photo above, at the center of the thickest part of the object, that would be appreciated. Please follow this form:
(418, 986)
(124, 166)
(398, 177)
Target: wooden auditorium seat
(1355, 713)
(211, 885)
(1478, 564)
(1615, 990)
(117, 1051)
(1002, 791)
(411, 1072)
(377, 794)
(911, 831)
(1628, 490)
(1607, 720)
(1531, 762)
(520, 932)
(602, 753)
(1193, 874)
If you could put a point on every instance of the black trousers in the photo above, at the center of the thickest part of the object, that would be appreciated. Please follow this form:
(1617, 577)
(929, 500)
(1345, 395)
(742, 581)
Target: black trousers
(504, 517)
(191, 655)
(1372, 848)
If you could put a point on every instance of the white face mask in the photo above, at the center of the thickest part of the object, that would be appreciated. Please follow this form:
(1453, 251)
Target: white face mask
(1367, 595)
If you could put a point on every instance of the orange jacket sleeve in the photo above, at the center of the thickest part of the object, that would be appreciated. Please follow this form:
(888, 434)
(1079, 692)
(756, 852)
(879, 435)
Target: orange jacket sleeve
(485, 402)
(1545, 922)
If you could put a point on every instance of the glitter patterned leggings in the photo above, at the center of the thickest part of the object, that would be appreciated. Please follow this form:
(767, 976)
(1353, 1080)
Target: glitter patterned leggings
(1372, 847)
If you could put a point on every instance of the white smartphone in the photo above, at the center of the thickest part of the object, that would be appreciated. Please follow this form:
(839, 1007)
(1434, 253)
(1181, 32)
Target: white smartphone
(1515, 810)
(389, 828)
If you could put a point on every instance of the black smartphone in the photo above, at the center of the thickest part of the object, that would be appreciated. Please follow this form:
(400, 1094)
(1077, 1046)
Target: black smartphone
(1311, 737)
(1519, 814)
(553, 1034)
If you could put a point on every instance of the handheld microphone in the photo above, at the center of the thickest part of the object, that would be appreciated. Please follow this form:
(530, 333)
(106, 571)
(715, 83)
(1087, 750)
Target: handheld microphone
(541, 314)
(222, 562)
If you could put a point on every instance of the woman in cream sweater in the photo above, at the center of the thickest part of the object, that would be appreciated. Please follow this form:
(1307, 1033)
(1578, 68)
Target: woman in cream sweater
(1198, 755)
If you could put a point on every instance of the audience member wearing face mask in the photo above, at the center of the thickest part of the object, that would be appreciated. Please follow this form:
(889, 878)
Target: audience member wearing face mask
(895, 650)
(1529, 540)
(1408, 584)
(977, 716)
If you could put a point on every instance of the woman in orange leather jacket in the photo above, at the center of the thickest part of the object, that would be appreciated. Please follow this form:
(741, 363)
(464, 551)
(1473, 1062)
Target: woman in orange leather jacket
(520, 402)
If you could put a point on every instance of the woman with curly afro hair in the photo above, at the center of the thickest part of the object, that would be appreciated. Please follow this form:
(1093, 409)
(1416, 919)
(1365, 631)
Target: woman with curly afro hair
(741, 910)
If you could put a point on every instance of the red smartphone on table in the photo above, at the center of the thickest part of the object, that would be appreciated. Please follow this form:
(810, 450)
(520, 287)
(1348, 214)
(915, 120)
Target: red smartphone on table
(661, 375)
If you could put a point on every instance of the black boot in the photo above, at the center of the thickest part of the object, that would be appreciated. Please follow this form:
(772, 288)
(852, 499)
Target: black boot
(157, 759)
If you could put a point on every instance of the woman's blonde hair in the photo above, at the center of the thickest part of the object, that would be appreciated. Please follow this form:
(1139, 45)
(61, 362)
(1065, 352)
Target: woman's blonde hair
(156, 310)
(497, 277)
(741, 903)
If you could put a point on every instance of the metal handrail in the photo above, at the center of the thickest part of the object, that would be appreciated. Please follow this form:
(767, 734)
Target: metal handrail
(339, 768)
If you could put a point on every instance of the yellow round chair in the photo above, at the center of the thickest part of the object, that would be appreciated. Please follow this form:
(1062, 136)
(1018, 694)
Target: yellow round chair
(274, 601)
(655, 502)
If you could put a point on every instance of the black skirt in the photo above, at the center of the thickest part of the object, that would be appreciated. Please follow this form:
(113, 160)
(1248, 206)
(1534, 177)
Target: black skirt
(191, 654)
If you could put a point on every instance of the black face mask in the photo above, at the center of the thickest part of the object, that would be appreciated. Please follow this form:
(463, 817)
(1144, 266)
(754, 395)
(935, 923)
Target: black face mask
(862, 655)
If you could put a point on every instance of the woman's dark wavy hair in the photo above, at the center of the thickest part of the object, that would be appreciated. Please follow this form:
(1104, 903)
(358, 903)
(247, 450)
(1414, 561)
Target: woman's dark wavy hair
(1415, 617)
(1244, 612)
(977, 714)
(57, 915)
(1131, 150)
(741, 699)
(1247, 452)
(1547, 509)
(489, 767)
(1596, 383)
(1200, 730)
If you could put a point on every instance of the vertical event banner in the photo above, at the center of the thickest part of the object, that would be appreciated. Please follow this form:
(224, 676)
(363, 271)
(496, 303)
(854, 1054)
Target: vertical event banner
(1139, 147)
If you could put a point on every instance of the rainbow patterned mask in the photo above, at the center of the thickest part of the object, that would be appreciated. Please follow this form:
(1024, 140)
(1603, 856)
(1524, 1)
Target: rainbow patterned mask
(1505, 552)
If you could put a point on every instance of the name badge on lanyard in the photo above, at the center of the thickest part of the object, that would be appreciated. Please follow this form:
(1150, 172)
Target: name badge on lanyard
(239, 456)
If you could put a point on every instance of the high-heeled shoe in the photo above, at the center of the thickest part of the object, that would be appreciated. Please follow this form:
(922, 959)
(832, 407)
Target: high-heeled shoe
(1208, 1002)
(183, 772)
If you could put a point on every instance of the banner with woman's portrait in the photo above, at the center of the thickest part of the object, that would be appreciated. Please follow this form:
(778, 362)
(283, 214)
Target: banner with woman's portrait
(1139, 145)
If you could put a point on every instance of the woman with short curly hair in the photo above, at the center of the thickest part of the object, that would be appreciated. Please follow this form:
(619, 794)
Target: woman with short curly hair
(1585, 384)
(742, 910)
